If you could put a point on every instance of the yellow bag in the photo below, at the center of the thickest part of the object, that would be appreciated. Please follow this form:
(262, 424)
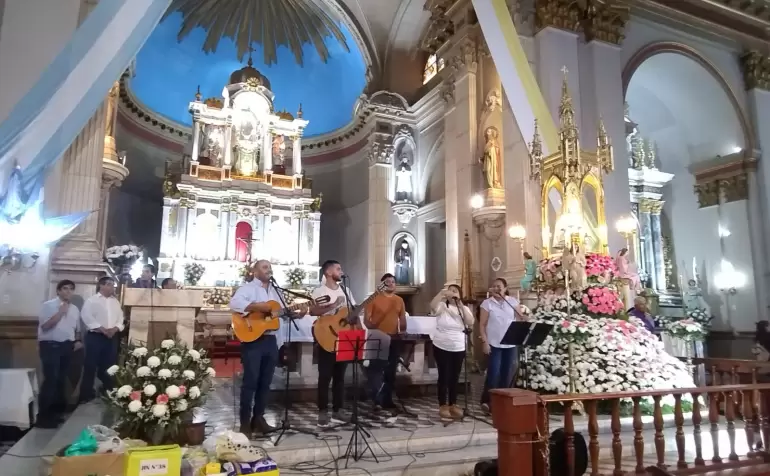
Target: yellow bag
(154, 461)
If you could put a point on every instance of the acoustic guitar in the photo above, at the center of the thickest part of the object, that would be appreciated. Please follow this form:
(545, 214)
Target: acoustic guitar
(251, 327)
(326, 328)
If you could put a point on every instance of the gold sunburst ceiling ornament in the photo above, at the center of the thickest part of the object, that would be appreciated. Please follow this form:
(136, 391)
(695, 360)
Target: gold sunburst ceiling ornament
(270, 23)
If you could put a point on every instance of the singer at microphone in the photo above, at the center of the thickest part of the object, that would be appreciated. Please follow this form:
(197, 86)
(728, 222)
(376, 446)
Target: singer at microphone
(453, 320)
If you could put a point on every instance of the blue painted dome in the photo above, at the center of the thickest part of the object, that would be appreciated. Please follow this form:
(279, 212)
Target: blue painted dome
(168, 74)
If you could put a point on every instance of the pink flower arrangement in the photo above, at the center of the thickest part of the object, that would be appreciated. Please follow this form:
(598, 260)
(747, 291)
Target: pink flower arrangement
(600, 266)
(601, 300)
(549, 271)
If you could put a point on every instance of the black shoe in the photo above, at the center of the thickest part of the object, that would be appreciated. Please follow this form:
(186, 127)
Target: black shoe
(259, 425)
(47, 423)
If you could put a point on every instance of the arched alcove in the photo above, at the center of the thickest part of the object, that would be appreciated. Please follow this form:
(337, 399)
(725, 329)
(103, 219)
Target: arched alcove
(690, 117)
(395, 245)
(432, 177)
(243, 237)
(402, 172)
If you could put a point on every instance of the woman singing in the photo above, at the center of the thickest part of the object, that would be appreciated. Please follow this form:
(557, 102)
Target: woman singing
(497, 313)
(452, 318)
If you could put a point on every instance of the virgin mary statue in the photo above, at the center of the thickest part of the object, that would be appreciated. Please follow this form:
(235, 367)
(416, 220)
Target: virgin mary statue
(492, 159)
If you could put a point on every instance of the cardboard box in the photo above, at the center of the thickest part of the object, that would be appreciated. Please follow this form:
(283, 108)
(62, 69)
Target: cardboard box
(154, 461)
(108, 464)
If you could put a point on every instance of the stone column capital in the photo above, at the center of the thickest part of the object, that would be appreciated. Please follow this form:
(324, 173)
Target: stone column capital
(600, 21)
(755, 67)
(464, 58)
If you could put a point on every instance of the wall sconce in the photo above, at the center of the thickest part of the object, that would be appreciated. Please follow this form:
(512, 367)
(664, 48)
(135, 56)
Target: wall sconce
(477, 201)
(626, 226)
(517, 232)
(728, 279)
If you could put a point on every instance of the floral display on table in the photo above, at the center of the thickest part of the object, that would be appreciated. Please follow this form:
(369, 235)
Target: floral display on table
(701, 316)
(688, 330)
(122, 255)
(295, 277)
(158, 389)
(245, 273)
(595, 346)
(193, 273)
(217, 297)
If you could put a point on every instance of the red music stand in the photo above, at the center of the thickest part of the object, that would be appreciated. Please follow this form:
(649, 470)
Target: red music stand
(350, 345)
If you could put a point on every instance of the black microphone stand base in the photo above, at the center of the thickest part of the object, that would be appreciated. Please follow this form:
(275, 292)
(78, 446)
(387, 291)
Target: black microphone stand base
(358, 444)
(467, 389)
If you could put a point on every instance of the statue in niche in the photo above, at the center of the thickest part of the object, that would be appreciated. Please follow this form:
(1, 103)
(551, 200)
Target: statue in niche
(404, 180)
(575, 264)
(403, 259)
(638, 152)
(247, 161)
(627, 270)
(112, 109)
(492, 159)
(693, 298)
(211, 146)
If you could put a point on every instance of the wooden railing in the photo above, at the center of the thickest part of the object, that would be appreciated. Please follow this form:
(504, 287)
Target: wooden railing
(730, 371)
(513, 409)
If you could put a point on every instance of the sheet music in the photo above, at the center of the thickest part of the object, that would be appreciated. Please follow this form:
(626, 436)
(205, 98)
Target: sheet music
(377, 345)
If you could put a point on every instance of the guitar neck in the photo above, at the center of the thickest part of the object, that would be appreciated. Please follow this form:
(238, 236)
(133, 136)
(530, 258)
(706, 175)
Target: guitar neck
(368, 300)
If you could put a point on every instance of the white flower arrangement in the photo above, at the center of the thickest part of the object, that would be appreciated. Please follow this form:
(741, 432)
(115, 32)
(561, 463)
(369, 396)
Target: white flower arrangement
(218, 297)
(295, 277)
(685, 329)
(120, 255)
(701, 317)
(158, 388)
(193, 273)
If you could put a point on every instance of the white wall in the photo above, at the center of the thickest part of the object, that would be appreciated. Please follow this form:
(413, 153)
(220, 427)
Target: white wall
(344, 237)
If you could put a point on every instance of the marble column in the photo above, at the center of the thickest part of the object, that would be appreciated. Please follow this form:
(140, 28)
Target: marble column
(78, 256)
(460, 154)
(168, 228)
(601, 91)
(296, 236)
(181, 229)
(522, 197)
(379, 212)
(267, 151)
(233, 220)
(196, 140)
(315, 221)
(296, 164)
(659, 273)
(224, 227)
(228, 133)
(645, 240)
(190, 245)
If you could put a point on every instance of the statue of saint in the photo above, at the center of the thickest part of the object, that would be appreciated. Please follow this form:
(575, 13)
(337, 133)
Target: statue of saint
(693, 298)
(112, 110)
(492, 159)
(530, 269)
(403, 259)
(575, 264)
(628, 270)
(404, 180)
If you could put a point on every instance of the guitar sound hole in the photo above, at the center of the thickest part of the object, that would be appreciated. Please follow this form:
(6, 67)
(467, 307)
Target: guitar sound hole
(343, 323)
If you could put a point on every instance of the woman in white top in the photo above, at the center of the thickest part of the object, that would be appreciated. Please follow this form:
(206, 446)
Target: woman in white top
(452, 318)
(497, 313)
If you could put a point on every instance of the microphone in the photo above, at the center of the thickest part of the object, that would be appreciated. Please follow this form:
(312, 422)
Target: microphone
(344, 277)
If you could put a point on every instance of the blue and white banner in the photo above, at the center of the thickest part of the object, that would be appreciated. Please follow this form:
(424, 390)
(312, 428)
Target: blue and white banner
(49, 117)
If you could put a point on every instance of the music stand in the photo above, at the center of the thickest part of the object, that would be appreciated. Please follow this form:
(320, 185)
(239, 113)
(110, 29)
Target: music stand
(523, 334)
(350, 348)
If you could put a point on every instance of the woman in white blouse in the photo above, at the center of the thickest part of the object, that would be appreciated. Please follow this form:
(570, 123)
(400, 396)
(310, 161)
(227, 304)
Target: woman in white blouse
(497, 314)
(452, 318)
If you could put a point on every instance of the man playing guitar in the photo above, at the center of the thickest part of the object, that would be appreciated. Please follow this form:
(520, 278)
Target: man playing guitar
(329, 370)
(259, 357)
(386, 313)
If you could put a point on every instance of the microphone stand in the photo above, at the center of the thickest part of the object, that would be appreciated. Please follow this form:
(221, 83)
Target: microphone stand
(286, 424)
(468, 331)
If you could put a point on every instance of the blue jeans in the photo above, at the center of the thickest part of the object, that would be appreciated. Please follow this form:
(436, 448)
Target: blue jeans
(101, 354)
(501, 368)
(381, 375)
(259, 359)
(55, 358)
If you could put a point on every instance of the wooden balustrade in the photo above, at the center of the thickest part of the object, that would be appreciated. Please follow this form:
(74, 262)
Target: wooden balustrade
(741, 405)
(730, 371)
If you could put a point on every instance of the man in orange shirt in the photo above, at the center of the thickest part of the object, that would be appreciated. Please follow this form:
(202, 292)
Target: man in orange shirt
(387, 314)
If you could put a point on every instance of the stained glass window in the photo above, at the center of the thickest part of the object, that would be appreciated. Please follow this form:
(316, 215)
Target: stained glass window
(432, 68)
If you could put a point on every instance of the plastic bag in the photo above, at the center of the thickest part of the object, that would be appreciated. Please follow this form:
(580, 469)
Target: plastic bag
(85, 444)
(222, 435)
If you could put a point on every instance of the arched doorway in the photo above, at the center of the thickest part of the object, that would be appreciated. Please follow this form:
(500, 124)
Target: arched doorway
(687, 119)
(243, 240)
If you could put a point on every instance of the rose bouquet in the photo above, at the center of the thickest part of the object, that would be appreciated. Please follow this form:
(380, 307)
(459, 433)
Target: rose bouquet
(158, 389)
(685, 329)
(193, 273)
(217, 297)
(601, 301)
(550, 271)
(600, 268)
(295, 277)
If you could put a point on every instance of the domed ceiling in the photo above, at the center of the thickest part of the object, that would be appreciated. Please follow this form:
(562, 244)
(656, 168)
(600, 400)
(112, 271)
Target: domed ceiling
(168, 73)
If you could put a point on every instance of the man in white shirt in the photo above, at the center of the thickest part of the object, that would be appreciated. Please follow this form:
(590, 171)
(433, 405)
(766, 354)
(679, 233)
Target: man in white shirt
(102, 319)
(258, 357)
(56, 335)
(329, 370)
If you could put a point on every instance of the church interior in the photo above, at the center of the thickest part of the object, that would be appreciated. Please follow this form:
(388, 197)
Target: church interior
(594, 154)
